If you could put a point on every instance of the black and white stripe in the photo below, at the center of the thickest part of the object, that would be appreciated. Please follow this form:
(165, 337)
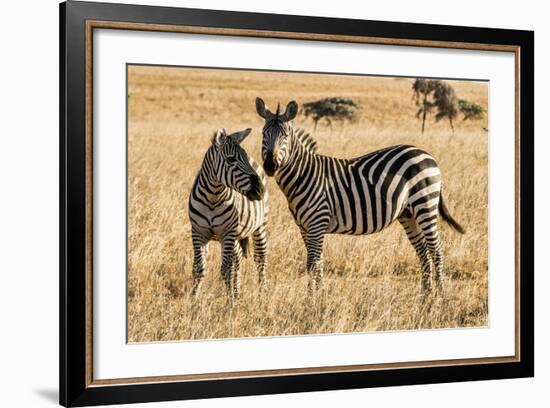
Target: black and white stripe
(364, 195)
(228, 203)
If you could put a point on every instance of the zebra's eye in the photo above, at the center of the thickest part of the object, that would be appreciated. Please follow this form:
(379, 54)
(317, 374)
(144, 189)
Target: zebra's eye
(231, 159)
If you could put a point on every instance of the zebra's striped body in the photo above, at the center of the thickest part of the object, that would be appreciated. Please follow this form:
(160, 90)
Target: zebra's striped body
(356, 196)
(228, 203)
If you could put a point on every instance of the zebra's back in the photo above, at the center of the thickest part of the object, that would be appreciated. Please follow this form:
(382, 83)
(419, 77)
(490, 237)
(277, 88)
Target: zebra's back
(368, 193)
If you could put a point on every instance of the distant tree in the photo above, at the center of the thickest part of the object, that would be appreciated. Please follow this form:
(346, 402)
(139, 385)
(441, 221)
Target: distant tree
(470, 110)
(446, 103)
(433, 94)
(331, 109)
(423, 94)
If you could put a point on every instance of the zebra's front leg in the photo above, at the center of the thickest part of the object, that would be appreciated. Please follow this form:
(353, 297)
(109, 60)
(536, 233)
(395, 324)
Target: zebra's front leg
(231, 264)
(236, 270)
(199, 260)
(314, 246)
(228, 246)
(259, 239)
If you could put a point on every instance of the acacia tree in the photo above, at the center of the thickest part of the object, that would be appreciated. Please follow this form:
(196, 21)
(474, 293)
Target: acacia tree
(423, 95)
(433, 94)
(446, 103)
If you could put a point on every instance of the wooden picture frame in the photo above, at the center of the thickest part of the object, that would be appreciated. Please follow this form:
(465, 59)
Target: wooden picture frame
(78, 20)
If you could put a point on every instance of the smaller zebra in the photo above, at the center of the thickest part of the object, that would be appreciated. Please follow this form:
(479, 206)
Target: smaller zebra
(228, 203)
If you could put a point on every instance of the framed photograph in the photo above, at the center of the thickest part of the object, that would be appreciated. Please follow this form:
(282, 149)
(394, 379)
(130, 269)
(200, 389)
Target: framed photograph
(258, 203)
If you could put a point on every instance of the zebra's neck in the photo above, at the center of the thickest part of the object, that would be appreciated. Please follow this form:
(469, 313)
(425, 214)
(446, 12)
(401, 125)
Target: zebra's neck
(209, 182)
(293, 173)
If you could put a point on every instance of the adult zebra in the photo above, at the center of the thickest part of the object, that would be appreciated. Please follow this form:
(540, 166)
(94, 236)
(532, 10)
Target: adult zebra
(228, 203)
(327, 195)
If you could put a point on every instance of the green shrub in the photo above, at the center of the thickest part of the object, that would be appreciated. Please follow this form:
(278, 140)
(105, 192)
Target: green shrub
(332, 109)
(470, 110)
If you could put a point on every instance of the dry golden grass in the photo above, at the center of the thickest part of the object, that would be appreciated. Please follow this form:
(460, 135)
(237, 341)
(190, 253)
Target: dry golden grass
(371, 282)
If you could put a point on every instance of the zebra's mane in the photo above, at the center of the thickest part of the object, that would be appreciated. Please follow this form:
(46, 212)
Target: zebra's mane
(306, 140)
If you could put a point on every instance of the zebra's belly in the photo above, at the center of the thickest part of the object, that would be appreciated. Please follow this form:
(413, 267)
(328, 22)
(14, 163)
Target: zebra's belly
(362, 221)
(357, 230)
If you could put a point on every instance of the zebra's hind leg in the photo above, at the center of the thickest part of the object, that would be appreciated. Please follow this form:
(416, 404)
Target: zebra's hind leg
(417, 240)
(259, 238)
(199, 260)
(433, 241)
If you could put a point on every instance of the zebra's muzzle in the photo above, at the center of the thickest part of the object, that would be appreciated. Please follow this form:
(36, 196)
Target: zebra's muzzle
(256, 191)
(270, 166)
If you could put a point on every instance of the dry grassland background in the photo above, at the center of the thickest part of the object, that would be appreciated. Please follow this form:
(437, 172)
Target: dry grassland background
(371, 282)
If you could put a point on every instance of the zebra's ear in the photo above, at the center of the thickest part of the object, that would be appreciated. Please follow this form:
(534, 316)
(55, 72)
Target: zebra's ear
(219, 137)
(260, 108)
(291, 110)
(238, 137)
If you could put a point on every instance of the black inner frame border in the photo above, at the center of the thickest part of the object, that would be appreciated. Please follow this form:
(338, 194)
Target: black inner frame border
(73, 388)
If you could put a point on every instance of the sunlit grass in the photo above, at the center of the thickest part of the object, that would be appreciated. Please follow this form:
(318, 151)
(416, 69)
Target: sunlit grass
(371, 282)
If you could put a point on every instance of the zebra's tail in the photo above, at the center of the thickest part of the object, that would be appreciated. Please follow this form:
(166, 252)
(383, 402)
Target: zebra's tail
(244, 245)
(446, 215)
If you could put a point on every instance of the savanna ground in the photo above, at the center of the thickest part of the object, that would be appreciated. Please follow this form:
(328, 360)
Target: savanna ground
(371, 282)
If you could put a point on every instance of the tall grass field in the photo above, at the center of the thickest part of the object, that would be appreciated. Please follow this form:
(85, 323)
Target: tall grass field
(371, 282)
